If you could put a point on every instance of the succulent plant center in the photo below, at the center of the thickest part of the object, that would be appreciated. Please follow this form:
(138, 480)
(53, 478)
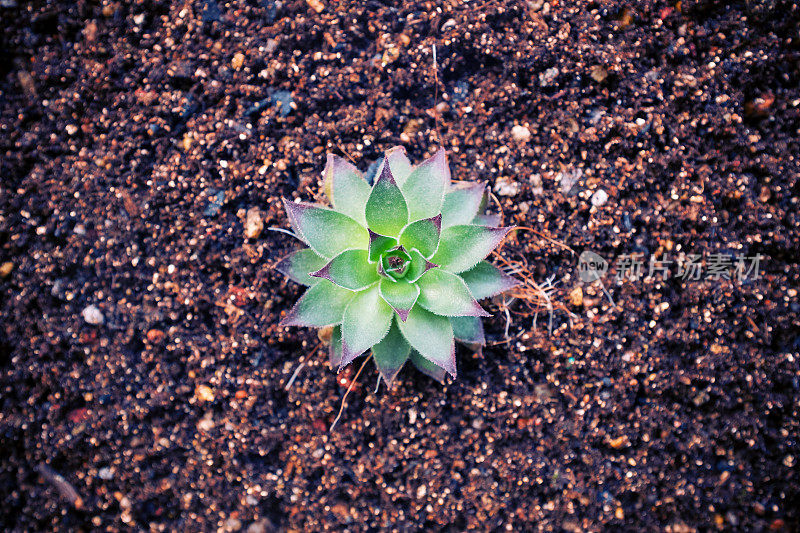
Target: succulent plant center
(395, 263)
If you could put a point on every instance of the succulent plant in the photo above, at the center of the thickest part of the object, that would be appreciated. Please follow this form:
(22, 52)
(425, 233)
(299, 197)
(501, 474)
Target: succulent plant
(396, 267)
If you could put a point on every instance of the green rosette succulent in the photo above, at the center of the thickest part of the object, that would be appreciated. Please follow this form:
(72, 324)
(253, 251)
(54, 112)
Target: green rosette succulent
(396, 267)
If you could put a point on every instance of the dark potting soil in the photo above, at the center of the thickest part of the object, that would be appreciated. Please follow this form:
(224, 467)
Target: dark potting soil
(143, 376)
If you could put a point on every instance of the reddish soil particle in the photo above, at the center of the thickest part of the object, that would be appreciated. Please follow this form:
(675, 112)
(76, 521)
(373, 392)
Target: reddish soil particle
(135, 136)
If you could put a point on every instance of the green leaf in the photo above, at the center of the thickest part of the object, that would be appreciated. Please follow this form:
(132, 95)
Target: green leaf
(462, 247)
(350, 269)
(322, 305)
(485, 279)
(424, 188)
(461, 204)
(326, 231)
(444, 293)
(346, 188)
(432, 336)
(398, 164)
(422, 235)
(366, 321)
(387, 211)
(391, 354)
(419, 265)
(426, 367)
(400, 295)
(483, 218)
(297, 265)
(378, 244)
(486, 220)
(468, 329)
(335, 349)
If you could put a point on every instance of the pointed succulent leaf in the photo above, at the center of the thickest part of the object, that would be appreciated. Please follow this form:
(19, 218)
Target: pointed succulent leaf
(432, 336)
(387, 211)
(424, 188)
(327, 232)
(483, 218)
(461, 204)
(378, 244)
(322, 305)
(398, 164)
(350, 269)
(346, 188)
(400, 295)
(335, 349)
(426, 367)
(468, 329)
(419, 265)
(462, 247)
(366, 321)
(297, 265)
(485, 279)
(391, 354)
(446, 294)
(422, 235)
(487, 220)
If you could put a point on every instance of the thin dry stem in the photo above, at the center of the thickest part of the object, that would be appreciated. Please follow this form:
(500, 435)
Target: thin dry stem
(436, 97)
(281, 230)
(349, 388)
(545, 237)
(301, 366)
(533, 295)
(345, 152)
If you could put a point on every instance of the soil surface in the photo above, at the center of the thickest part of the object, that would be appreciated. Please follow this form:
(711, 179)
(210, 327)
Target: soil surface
(143, 376)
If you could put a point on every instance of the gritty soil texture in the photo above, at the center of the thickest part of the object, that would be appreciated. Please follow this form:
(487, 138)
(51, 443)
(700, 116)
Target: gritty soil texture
(144, 376)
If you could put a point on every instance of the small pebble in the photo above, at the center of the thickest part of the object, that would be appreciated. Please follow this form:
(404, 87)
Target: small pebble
(262, 526)
(93, 315)
(324, 334)
(506, 187)
(576, 296)
(547, 77)
(254, 224)
(105, 473)
(155, 335)
(569, 178)
(233, 524)
(599, 198)
(204, 393)
(619, 442)
(521, 133)
(316, 5)
(6, 268)
(238, 61)
(90, 32)
(599, 74)
(536, 184)
(205, 424)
